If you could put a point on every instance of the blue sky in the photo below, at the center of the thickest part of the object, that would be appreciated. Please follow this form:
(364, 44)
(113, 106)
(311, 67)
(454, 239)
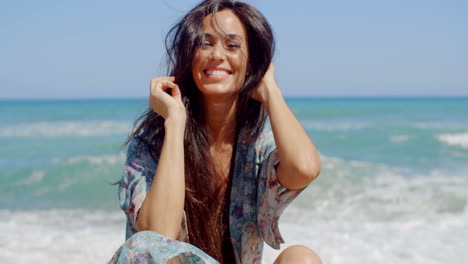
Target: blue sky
(96, 49)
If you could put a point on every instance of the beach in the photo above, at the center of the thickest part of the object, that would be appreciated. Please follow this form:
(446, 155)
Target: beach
(393, 187)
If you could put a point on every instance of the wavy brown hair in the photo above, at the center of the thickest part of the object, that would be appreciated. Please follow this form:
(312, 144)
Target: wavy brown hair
(182, 41)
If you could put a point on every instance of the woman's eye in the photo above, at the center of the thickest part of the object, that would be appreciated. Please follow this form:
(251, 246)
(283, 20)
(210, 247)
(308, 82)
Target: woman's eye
(233, 45)
(206, 43)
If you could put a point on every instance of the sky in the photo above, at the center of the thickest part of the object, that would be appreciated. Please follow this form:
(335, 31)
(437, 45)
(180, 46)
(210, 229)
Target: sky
(111, 49)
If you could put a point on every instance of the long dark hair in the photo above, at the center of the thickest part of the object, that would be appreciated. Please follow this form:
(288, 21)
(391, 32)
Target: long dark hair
(182, 42)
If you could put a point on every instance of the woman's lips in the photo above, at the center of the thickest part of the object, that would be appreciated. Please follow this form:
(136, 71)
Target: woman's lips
(216, 74)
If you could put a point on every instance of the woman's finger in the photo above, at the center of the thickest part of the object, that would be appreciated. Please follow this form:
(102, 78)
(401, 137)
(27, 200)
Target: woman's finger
(155, 81)
(163, 85)
(170, 78)
(176, 93)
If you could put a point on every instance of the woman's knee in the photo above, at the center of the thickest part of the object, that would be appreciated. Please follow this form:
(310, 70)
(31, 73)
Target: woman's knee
(298, 254)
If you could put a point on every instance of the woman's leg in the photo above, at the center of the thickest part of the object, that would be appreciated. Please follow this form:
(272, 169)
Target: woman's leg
(298, 254)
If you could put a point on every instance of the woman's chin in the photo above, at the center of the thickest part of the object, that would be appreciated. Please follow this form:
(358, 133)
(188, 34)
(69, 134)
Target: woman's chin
(213, 91)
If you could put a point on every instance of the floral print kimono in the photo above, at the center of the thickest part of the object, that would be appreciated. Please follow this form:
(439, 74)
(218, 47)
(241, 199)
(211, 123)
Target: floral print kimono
(256, 203)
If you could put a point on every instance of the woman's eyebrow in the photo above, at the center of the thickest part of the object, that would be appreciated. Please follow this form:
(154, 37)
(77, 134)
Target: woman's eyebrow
(233, 36)
(207, 35)
(230, 36)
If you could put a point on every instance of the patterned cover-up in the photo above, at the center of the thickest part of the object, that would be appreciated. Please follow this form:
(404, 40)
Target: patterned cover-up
(257, 201)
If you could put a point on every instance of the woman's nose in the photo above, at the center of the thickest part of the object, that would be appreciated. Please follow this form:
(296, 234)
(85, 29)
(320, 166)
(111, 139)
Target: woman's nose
(217, 52)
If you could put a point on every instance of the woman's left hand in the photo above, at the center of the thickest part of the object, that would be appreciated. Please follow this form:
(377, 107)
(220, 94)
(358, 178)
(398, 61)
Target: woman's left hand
(265, 86)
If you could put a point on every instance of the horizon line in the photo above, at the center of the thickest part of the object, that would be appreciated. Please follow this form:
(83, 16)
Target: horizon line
(285, 96)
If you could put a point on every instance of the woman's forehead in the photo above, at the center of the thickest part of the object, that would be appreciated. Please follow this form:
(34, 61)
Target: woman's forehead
(224, 23)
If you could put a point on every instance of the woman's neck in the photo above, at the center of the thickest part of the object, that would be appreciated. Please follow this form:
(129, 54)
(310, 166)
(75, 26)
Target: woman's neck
(220, 116)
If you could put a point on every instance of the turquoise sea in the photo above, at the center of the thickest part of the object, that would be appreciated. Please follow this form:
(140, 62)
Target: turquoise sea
(393, 189)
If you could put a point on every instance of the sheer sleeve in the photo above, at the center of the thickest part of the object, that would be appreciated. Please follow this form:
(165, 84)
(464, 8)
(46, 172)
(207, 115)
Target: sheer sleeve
(136, 180)
(273, 197)
(138, 176)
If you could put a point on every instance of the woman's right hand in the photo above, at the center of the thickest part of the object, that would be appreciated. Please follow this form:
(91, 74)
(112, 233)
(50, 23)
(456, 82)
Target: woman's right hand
(166, 99)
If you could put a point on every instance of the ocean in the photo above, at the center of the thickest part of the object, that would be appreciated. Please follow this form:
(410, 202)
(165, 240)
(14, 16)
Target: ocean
(393, 187)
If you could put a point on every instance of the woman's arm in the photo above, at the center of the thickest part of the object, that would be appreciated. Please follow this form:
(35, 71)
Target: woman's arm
(163, 207)
(299, 159)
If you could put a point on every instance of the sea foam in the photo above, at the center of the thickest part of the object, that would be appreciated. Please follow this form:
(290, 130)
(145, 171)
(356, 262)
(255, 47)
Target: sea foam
(60, 236)
(94, 160)
(383, 192)
(36, 176)
(92, 236)
(67, 128)
(399, 138)
(456, 139)
(421, 240)
(334, 126)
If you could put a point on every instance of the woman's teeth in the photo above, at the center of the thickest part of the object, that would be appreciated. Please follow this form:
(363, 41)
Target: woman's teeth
(217, 73)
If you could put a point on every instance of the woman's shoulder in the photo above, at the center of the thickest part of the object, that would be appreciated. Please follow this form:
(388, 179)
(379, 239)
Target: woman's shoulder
(265, 139)
(262, 145)
(138, 140)
(141, 144)
(256, 137)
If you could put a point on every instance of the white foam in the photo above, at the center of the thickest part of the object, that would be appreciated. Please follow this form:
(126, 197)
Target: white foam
(67, 128)
(358, 125)
(60, 236)
(399, 138)
(339, 240)
(355, 212)
(36, 176)
(379, 191)
(67, 182)
(353, 216)
(94, 160)
(41, 191)
(457, 139)
(87, 236)
(338, 126)
(439, 125)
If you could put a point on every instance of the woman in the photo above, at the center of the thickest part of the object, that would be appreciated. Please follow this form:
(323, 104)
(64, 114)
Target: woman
(201, 168)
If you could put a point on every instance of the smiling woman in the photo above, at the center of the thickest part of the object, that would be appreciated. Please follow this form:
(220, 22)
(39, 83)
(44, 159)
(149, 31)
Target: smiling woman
(205, 181)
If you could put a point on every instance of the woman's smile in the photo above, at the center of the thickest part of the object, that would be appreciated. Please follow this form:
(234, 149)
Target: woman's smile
(216, 74)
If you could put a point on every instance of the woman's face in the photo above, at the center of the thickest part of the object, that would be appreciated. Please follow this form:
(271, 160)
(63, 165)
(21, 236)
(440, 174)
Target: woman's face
(219, 64)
